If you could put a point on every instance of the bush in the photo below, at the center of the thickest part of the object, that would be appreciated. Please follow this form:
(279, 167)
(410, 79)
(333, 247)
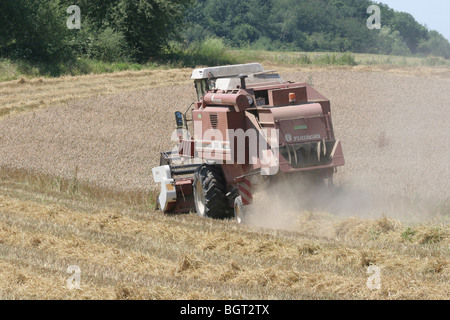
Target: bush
(435, 61)
(390, 42)
(436, 45)
(304, 59)
(210, 52)
(263, 43)
(105, 45)
(109, 46)
(346, 59)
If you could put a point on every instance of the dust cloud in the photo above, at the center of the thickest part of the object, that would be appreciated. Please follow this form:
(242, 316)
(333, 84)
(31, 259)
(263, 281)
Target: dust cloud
(281, 205)
(299, 205)
(395, 136)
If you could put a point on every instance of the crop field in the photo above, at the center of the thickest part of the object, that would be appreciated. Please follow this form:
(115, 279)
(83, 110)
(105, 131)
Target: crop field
(76, 188)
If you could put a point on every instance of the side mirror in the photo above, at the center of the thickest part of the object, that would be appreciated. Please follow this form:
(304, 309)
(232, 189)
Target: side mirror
(179, 120)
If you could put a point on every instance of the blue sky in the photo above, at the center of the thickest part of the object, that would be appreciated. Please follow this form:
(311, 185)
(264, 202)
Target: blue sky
(435, 14)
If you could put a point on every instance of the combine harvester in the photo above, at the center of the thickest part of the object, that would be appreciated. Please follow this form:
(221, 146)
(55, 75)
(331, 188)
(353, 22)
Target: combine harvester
(249, 127)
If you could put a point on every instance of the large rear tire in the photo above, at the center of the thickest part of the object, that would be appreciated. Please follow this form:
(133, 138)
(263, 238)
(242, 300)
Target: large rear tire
(210, 192)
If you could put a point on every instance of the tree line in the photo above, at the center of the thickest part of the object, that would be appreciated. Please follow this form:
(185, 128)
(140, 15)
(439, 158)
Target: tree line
(139, 31)
(110, 30)
(312, 25)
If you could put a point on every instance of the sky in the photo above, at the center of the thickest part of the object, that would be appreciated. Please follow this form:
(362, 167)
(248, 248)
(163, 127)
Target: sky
(435, 14)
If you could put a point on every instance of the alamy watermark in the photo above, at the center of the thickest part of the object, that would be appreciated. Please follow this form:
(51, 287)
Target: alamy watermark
(374, 281)
(258, 147)
(74, 281)
(374, 21)
(74, 21)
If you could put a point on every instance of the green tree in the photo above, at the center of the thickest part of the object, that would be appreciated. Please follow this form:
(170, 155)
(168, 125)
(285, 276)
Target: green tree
(148, 25)
(410, 30)
(312, 25)
(436, 45)
(34, 30)
(390, 42)
(240, 22)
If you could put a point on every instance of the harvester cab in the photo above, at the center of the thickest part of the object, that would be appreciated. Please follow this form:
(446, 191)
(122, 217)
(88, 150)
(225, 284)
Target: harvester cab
(248, 125)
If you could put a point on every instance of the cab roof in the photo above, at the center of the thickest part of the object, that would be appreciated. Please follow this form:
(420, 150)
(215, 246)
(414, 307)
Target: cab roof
(226, 71)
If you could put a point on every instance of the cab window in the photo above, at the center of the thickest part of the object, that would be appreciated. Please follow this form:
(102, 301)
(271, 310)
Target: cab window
(201, 86)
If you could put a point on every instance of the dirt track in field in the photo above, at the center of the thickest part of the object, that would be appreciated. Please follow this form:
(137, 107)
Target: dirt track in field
(392, 124)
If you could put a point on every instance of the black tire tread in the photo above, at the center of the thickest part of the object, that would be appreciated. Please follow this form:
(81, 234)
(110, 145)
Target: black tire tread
(214, 188)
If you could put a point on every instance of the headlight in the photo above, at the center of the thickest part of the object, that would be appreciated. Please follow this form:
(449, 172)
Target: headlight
(250, 100)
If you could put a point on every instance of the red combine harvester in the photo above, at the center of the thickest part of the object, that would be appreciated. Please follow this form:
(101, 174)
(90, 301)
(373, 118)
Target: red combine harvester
(249, 126)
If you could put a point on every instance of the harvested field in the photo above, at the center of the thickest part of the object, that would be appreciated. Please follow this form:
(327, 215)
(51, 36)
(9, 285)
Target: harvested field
(58, 159)
(127, 254)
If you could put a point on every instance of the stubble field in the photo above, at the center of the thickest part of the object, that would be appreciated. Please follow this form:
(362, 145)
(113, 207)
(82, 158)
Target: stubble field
(76, 189)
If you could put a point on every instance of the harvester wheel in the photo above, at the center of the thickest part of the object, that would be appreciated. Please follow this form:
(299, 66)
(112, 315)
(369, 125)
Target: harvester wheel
(239, 210)
(209, 192)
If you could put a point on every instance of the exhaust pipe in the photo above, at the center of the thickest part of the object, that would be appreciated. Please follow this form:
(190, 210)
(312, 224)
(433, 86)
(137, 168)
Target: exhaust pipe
(242, 78)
